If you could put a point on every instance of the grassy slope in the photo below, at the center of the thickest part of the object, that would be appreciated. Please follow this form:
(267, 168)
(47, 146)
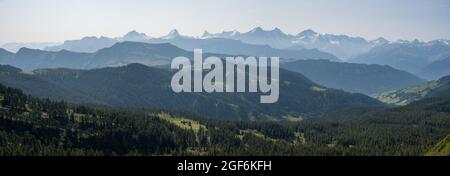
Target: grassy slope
(441, 149)
(407, 95)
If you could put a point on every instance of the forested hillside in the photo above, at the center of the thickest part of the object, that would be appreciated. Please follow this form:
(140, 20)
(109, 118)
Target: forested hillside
(137, 85)
(30, 126)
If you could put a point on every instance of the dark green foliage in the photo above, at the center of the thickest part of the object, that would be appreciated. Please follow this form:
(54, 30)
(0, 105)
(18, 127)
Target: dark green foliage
(29, 126)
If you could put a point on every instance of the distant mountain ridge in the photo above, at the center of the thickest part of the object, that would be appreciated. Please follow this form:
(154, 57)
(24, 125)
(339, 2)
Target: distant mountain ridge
(236, 47)
(274, 38)
(14, 47)
(436, 69)
(86, 44)
(342, 46)
(413, 57)
(119, 54)
(361, 78)
(212, 45)
(425, 59)
(124, 53)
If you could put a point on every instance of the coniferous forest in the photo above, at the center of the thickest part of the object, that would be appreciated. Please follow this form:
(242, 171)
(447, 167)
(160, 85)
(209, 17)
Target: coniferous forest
(32, 126)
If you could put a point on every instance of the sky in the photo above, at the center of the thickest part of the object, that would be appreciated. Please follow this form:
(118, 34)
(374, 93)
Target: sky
(59, 20)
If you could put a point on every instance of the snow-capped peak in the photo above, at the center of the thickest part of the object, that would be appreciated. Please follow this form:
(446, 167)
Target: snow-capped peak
(257, 29)
(443, 41)
(172, 34)
(416, 41)
(133, 33)
(224, 34)
(134, 36)
(379, 41)
(206, 34)
(402, 41)
(277, 30)
(439, 42)
(307, 33)
(234, 32)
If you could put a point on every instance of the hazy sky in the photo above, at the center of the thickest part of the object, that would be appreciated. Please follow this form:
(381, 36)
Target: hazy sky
(58, 20)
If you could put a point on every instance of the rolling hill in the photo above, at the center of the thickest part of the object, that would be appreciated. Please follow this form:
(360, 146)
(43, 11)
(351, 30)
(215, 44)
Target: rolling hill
(136, 85)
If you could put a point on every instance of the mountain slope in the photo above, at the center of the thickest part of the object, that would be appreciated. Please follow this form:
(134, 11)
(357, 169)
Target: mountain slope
(31, 126)
(436, 69)
(407, 95)
(35, 127)
(5, 55)
(137, 85)
(408, 130)
(367, 79)
(441, 149)
(29, 82)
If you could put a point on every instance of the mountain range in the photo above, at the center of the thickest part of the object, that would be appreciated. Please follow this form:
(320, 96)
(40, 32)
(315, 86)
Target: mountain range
(136, 85)
(361, 78)
(426, 59)
(358, 78)
(342, 46)
(274, 38)
(119, 54)
(212, 45)
(123, 53)
(14, 47)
